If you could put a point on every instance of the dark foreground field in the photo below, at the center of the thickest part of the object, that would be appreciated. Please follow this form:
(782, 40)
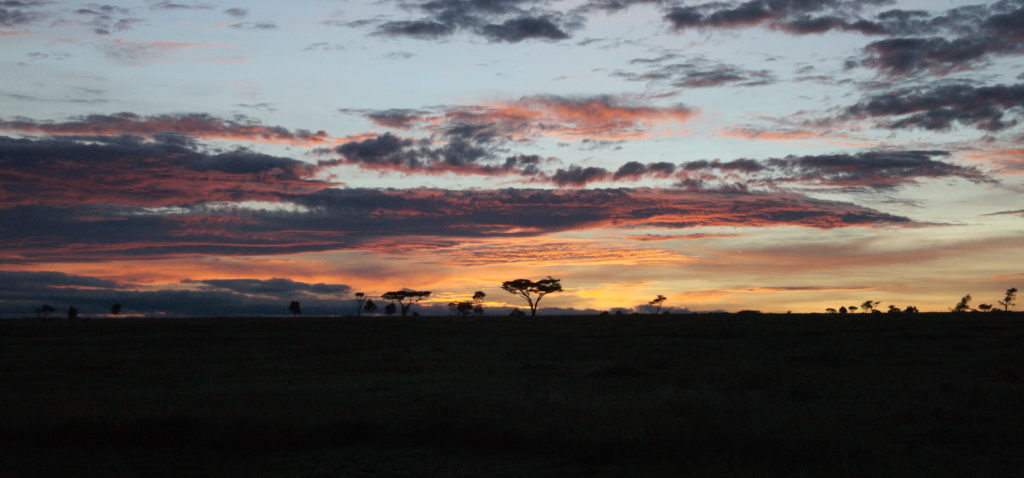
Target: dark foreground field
(933, 395)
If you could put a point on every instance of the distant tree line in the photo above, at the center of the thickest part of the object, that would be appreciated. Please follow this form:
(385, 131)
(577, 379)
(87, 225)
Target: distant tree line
(964, 305)
(533, 291)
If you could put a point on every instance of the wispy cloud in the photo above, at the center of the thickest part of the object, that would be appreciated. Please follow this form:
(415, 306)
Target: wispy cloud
(198, 125)
(142, 52)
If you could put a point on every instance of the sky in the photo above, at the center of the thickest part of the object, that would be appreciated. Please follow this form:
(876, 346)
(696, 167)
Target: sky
(225, 158)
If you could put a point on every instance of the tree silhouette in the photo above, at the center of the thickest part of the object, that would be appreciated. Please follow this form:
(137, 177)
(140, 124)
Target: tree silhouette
(532, 291)
(115, 309)
(852, 308)
(869, 306)
(964, 305)
(389, 309)
(44, 310)
(1010, 299)
(295, 307)
(517, 313)
(370, 307)
(830, 310)
(405, 298)
(985, 307)
(462, 308)
(360, 301)
(910, 309)
(657, 302)
(842, 310)
(478, 302)
(894, 310)
(72, 312)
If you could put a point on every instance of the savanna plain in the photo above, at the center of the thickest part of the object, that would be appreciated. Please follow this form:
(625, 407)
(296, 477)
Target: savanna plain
(691, 395)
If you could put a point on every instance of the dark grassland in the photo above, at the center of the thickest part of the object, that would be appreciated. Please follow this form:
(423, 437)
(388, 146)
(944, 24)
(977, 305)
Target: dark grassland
(715, 395)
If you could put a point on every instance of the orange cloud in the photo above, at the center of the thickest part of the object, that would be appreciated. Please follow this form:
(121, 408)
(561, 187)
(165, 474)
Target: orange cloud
(592, 118)
(568, 118)
(674, 237)
(560, 252)
(797, 136)
(1007, 160)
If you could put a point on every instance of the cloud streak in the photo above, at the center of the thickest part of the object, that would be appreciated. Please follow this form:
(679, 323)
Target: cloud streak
(940, 107)
(391, 220)
(129, 171)
(565, 117)
(696, 72)
(506, 21)
(880, 169)
(21, 292)
(199, 125)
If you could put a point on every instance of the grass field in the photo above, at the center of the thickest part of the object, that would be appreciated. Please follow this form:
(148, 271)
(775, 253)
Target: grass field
(701, 395)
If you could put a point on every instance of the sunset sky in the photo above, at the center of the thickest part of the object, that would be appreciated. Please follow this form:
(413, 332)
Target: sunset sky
(224, 158)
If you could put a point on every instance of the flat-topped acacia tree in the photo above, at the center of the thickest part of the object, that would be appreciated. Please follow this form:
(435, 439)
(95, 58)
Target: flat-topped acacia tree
(405, 298)
(532, 291)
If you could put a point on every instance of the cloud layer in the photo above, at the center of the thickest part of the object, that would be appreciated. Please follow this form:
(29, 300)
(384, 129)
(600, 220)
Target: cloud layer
(394, 220)
(127, 170)
(22, 292)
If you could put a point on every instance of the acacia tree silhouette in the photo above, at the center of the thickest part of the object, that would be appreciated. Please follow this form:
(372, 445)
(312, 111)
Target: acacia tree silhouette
(370, 307)
(461, 308)
(295, 307)
(360, 301)
(657, 302)
(405, 298)
(389, 309)
(478, 302)
(964, 305)
(1010, 299)
(44, 310)
(532, 291)
(869, 306)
